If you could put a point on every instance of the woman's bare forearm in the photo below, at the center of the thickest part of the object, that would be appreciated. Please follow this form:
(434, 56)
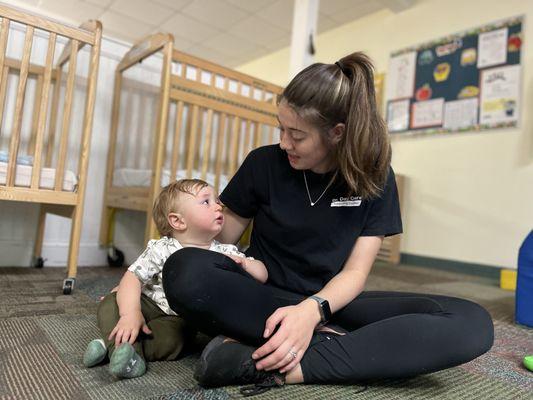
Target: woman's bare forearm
(350, 282)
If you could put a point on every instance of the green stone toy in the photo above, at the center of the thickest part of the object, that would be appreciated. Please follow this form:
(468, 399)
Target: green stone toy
(528, 362)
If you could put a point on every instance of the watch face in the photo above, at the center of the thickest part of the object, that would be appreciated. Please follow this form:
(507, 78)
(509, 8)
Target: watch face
(326, 311)
(323, 305)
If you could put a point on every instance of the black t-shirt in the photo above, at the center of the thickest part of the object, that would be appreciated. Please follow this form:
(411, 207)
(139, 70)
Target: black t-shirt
(304, 247)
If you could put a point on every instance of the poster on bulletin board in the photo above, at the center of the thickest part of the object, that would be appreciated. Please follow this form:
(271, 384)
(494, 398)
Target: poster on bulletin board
(463, 82)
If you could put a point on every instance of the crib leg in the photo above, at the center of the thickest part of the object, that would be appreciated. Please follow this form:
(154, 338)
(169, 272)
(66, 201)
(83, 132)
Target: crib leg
(73, 249)
(38, 261)
(68, 285)
(106, 237)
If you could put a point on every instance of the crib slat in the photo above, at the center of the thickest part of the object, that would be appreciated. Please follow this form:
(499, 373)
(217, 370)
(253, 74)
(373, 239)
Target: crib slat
(126, 129)
(207, 144)
(257, 135)
(19, 106)
(65, 123)
(271, 134)
(35, 114)
(4, 32)
(152, 144)
(235, 136)
(146, 101)
(3, 87)
(176, 143)
(199, 133)
(186, 136)
(192, 140)
(220, 141)
(53, 118)
(246, 143)
(227, 145)
(253, 134)
(41, 116)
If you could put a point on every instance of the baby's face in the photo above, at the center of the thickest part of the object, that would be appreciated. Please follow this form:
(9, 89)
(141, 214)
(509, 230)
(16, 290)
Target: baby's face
(203, 211)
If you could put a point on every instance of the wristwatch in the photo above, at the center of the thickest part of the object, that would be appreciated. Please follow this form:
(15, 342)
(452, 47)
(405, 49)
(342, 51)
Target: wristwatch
(323, 306)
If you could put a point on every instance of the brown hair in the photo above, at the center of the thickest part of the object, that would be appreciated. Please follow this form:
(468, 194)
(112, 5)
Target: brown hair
(327, 94)
(166, 202)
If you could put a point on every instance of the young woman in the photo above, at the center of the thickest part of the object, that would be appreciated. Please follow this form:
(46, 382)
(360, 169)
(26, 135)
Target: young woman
(321, 203)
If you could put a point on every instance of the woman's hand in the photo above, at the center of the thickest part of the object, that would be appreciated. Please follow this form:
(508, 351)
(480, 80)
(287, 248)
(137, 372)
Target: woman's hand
(128, 327)
(287, 346)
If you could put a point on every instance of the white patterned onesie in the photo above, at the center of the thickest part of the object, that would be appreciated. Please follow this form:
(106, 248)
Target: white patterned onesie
(149, 266)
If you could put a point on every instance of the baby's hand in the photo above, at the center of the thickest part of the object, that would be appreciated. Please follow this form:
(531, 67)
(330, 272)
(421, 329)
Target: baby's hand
(239, 260)
(127, 328)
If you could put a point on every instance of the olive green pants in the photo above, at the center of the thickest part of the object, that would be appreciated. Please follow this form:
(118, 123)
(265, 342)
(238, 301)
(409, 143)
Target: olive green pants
(169, 335)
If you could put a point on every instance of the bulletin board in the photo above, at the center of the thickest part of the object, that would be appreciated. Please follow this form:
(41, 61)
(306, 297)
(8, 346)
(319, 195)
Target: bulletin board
(463, 82)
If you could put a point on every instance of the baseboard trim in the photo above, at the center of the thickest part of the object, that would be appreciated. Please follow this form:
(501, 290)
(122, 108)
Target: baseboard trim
(485, 271)
(18, 253)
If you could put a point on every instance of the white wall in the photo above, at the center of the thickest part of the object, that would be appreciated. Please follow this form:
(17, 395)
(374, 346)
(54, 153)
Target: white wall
(469, 196)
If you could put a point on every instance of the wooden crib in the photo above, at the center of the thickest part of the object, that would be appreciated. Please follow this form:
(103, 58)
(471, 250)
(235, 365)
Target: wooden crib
(43, 128)
(207, 119)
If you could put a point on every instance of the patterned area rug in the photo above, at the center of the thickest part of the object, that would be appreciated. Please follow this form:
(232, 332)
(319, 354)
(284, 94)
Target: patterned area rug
(43, 335)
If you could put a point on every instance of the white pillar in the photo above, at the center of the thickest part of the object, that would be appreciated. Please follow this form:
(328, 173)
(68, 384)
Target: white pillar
(303, 28)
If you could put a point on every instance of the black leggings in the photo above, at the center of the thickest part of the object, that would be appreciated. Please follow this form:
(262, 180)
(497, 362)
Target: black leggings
(390, 334)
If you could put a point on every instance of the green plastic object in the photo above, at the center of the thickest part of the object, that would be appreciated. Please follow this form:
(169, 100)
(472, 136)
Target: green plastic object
(528, 362)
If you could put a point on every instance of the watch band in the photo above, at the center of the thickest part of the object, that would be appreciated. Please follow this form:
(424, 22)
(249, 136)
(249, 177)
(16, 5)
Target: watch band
(323, 307)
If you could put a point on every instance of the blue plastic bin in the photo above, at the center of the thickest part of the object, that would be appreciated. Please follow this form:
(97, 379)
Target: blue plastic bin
(524, 283)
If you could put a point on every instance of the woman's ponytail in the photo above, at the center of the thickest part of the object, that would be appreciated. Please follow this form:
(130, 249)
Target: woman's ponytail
(364, 152)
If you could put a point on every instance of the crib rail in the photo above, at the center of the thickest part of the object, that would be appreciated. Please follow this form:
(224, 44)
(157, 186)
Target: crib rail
(143, 49)
(46, 76)
(199, 65)
(80, 34)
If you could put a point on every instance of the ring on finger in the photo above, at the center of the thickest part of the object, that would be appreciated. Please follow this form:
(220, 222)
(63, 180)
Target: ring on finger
(293, 354)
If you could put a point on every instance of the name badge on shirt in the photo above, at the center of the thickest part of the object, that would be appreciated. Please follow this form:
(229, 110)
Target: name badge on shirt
(346, 202)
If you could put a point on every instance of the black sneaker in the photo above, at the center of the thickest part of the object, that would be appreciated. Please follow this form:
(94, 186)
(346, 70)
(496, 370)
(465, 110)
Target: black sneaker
(230, 363)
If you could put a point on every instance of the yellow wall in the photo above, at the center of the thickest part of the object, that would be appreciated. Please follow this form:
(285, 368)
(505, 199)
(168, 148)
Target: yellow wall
(469, 196)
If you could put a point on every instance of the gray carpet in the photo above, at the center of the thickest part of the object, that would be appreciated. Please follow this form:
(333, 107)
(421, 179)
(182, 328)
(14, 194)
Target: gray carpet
(43, 335)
